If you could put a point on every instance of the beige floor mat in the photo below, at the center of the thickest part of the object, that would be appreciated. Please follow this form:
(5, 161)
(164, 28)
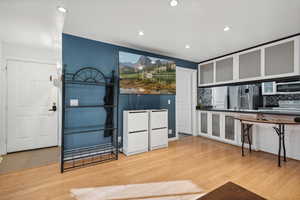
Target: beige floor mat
(172, 190)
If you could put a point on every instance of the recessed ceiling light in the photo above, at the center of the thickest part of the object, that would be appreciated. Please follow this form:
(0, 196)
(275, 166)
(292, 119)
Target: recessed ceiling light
(187, 46)
(61, 9)
(141, 33)
(173, 3)
(226, 28)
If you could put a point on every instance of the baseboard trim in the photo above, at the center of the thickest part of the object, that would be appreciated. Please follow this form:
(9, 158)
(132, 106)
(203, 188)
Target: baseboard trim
(173, 139)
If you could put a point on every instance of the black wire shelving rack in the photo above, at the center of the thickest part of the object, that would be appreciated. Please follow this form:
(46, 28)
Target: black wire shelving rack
(86, 155)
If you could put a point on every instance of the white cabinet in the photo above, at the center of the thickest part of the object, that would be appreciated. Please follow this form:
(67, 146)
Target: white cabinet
(216, 124)
(282, 58)
(158, 138)
(137, 120)
(224, 69)
(206, 73)
(135, 131)
(203, 123)
(274, 60)
(223, 127)
(229, 128)
(137, 142)
(158, 135)
(250, 64)
(144, 130)
(263, 136)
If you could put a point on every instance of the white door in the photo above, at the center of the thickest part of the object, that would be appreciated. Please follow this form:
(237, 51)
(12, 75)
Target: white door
(185, 100)
(30, 94)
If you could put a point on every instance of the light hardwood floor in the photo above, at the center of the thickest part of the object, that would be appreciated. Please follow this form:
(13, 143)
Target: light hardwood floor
(207, 163)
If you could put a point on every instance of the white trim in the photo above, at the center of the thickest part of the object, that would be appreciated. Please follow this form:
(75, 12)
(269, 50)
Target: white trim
(173, 138)
(215, 72)
(297, 55)
(262, 63)
(194, 102)
(2, 100)
(236, 68)
(280, 42)
(224, 58)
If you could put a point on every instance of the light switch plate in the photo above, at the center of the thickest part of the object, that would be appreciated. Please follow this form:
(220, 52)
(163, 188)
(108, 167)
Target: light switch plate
(74, 102)
(169, 101)
(170, 132)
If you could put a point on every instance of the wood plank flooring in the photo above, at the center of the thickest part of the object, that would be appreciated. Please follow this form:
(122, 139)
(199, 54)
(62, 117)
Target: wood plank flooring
(207, 163)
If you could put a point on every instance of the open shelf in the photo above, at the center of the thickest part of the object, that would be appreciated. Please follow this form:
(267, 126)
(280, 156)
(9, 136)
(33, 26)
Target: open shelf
(92, 106)
(87, 129)
(79, 157)
(71, 82)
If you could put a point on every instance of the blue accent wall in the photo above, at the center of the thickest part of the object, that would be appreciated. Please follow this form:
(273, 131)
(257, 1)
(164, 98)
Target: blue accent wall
(79, 52)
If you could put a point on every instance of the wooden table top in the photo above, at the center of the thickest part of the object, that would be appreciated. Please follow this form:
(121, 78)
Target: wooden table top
(231, 191)
(267, 121)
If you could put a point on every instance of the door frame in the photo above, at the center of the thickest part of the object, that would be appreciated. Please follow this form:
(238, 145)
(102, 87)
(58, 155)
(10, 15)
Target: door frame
(4, 100)
(193, 73)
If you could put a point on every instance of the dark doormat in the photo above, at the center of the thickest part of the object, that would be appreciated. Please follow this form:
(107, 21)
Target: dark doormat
(231, 191)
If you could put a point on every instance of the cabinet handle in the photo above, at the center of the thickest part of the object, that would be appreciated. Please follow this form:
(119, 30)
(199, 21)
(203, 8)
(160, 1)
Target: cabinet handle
(159, 111)
(159, 128)
(139, 112)
(138, 131)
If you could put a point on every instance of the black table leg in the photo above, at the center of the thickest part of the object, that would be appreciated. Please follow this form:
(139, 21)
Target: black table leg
(243, 137)
(279, 148)
(281, 133)
(283, 143)
(248, 135)
(245, 132)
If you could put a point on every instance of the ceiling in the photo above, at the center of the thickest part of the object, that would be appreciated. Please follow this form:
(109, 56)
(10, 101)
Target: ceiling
(198, 23)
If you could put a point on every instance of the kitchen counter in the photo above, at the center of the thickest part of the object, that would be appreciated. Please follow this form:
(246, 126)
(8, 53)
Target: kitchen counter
(261, 111)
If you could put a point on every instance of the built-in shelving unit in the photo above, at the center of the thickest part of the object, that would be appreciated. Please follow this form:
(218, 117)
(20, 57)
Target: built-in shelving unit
(73, 153)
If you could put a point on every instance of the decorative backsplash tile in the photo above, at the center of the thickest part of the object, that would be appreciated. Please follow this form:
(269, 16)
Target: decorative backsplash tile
(272, 100)
(205, 96)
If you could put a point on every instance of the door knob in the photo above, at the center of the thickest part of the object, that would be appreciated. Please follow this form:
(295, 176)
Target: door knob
(54, 108)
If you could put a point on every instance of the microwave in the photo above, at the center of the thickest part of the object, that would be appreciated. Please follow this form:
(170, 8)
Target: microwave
(273, 88)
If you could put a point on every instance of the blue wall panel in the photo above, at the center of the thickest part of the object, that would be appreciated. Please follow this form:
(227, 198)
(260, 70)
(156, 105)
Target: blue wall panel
(80, 52)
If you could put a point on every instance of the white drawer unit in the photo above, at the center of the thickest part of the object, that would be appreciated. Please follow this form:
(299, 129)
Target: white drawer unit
(158, 135)
(159, 119)
(137, 121)
(135, 131)
(138, 142)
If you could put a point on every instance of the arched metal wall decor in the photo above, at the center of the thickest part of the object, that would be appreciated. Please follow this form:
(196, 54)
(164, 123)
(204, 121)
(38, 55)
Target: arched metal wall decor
(89, 74)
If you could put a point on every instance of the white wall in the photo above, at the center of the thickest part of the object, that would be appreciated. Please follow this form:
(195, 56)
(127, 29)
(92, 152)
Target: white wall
(19, 52)
(16, 51)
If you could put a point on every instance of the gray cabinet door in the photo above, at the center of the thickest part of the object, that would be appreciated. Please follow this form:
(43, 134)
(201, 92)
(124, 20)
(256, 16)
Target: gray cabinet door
(224, 70)
(229, 128)
(215, 125)
(250, 64)
(279, 59)
(207, 73)
(204, 123)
